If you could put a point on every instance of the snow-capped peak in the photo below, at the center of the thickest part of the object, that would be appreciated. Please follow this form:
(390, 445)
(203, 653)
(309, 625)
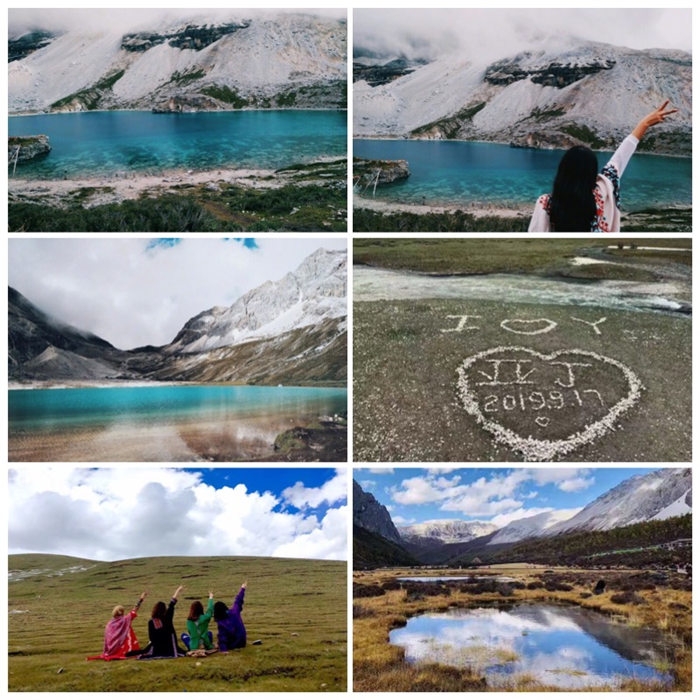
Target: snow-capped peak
(314, 292)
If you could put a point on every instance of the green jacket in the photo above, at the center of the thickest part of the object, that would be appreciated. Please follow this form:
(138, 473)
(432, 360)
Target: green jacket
(197, 629)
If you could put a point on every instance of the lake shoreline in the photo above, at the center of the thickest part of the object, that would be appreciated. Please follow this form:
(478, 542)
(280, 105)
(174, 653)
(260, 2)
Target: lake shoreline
(123, 186)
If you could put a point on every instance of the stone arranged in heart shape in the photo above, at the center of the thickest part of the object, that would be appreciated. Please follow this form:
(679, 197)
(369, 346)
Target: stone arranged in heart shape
(546, 405)
(528, 326)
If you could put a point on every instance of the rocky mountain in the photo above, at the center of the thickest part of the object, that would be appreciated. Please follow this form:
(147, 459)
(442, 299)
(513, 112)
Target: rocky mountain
(40, 346)
(372, 516)
(535, 526)
(657, 495)
(267, 60)
(293, 331)
(586, 92)
(315, 291)
(446, 531)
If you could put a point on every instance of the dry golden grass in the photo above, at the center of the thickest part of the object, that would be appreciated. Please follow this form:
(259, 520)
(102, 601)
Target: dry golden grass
(380, 666)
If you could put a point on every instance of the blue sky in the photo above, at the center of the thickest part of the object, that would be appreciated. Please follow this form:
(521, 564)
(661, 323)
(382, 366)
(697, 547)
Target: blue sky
(109, 514)
(141, 291)
(489, 494)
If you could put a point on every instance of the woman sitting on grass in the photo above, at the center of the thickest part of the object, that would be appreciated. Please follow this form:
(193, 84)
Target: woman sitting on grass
(582, 199)
(120, 639)
(161, 631)
(197, 634)
(232, 634)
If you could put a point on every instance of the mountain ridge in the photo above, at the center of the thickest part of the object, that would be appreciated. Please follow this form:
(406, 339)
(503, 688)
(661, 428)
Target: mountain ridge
(300, 348)
(552, 98)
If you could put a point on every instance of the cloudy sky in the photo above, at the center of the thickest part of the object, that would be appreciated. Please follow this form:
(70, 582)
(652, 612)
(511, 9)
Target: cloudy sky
(111, 514)
(61, 19)
(489, 495)
(137, 291)
(491, 33)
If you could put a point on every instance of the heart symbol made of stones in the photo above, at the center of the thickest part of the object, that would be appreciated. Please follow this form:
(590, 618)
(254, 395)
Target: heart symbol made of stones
(528, 326)
(545, 405)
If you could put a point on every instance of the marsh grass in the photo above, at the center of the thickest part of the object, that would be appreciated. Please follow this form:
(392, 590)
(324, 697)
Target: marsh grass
(296, 607)
(380, 666)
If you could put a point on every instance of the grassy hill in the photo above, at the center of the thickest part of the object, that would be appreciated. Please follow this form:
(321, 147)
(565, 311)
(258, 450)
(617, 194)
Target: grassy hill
(58, 607)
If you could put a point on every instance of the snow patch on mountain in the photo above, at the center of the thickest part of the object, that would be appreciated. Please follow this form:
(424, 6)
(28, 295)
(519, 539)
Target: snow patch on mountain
(448, 531)
(681, 506)
(533, 526)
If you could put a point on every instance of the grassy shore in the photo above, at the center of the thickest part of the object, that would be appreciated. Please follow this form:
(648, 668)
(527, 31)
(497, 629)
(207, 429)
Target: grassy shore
(381, 604)
(58, 607)
(299, 198)
(398, 219)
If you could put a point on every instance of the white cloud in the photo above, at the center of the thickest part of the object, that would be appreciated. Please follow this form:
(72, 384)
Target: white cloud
(110, 514)
(331, 492)
(117, 21)
(487, 34)
(497, 494)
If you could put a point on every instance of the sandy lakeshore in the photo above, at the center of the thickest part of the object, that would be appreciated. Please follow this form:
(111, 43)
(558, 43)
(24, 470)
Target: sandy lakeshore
(475, 208)
(124, 186)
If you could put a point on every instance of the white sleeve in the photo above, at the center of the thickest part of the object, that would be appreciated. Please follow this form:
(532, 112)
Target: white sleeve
(539, 223)
(623, 154)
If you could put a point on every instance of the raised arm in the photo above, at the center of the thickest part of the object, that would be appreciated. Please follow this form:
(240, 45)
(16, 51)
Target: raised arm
(655, 117)
(210, 608)
(178, 590)
(238, 602)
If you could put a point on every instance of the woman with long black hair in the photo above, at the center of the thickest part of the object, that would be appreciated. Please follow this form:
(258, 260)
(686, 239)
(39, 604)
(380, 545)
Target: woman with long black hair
(583, 199)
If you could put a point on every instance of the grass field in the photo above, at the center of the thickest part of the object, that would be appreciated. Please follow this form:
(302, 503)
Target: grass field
(472, 256)
(58, 607)
(381, 604)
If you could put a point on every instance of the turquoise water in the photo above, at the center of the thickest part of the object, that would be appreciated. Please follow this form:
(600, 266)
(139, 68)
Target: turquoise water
(459, 172)
(32, 410)
(104, 143)
(565, 647)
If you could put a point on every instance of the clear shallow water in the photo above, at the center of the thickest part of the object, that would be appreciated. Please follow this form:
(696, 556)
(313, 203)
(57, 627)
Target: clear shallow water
(373, 284)
(459, 172)
(566, 647)
(103, 143)
(160, 423)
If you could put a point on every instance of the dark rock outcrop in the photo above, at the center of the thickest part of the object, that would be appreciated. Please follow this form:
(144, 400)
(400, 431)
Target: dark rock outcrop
(191, 37)
(371, 515)
(25, 148)
(22, 46)
(554, 74)
(381, 74)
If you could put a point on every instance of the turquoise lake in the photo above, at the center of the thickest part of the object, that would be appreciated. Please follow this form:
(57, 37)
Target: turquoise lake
(104, 143)
(162, 422)
(460, 173)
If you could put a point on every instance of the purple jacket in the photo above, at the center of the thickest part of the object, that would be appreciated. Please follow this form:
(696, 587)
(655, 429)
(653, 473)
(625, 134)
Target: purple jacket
(232, 633)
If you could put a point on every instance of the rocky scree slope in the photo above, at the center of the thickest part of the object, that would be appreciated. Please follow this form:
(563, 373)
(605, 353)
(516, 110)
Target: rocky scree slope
(275, 60)
(588, 93)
